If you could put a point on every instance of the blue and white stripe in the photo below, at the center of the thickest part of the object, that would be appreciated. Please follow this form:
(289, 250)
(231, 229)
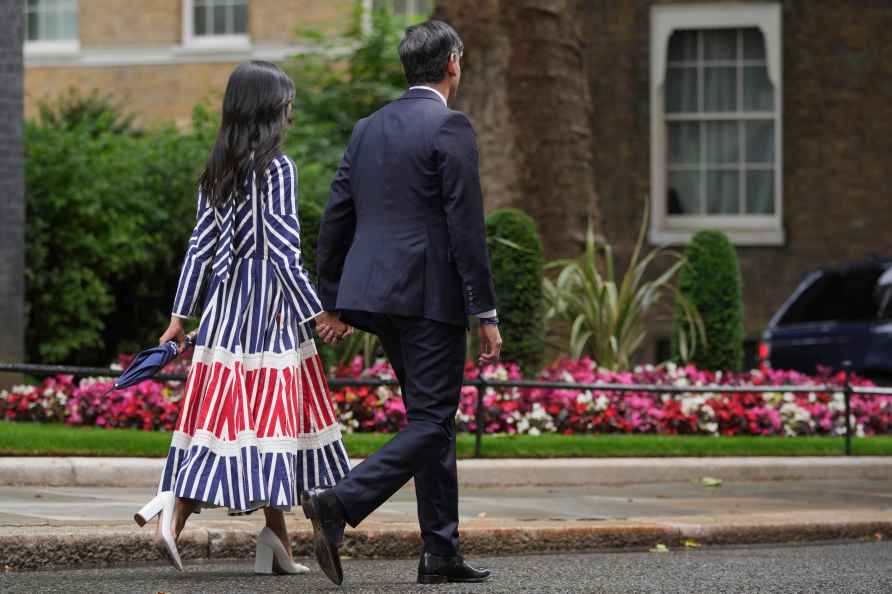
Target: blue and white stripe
(261, 225)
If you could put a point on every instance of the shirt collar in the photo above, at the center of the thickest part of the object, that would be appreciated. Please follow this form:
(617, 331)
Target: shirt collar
(426, 88)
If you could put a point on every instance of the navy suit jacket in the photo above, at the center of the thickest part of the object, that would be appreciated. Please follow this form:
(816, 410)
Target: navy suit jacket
(403, 232)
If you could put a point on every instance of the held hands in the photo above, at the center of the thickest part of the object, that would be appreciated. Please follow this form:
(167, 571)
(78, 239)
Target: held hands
(174, 332)
(490, 344)
(331, 329)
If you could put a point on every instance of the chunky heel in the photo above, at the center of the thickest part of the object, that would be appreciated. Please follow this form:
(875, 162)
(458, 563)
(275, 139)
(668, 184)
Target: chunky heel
(263, 559)
(272, 557)
(149, 510)
(162, 505)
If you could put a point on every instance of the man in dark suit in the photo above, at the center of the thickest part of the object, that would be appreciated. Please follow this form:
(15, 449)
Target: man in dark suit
(402, 254)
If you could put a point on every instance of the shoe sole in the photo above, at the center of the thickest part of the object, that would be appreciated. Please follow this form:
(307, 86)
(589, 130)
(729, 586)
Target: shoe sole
(328, 558)
(442, 579)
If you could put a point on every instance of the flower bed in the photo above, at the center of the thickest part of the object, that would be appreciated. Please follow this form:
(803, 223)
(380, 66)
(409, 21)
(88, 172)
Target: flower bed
(153, 405)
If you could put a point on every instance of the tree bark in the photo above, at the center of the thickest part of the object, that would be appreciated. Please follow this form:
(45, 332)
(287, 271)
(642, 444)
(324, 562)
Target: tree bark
(525, 87)
(12, 189)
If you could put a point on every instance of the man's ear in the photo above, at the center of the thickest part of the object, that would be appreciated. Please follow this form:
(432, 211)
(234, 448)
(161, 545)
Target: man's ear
(452, 65)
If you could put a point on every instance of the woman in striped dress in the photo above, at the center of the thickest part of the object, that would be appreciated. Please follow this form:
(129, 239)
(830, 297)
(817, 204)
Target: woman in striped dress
(256, 424)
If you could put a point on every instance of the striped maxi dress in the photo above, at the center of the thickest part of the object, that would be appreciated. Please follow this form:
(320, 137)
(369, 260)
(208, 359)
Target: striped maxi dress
(256, 424)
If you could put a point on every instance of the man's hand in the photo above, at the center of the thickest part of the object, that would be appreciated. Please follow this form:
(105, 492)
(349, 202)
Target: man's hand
(174, 332)
(490, 344)
(331, 329)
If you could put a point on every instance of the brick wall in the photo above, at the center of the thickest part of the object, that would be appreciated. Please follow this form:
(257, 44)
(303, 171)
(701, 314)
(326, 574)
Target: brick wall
(106, 23)
(12, 182)
(278, 21)
(837, 123)
(163, 93)
(169, 92)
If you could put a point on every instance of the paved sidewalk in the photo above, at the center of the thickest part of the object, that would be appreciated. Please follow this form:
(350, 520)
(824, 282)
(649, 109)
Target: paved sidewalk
(144, 472)
(42, 527)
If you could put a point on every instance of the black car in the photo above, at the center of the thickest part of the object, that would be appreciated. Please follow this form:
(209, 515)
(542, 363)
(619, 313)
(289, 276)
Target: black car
(835, 315)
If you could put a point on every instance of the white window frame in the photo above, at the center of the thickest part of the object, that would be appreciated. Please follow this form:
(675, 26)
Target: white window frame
(56, 47)
(757, 230)
(210, 42)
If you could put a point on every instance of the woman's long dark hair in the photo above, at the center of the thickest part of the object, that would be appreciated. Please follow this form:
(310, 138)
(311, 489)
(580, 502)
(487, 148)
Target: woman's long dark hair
(255, 109)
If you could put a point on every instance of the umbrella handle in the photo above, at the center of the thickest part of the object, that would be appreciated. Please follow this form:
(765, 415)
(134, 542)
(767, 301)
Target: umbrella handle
(190, 341)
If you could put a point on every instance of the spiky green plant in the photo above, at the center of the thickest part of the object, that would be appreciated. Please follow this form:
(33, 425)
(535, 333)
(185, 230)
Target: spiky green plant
(608, 317)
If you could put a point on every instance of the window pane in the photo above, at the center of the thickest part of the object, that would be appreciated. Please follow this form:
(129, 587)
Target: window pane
(400, 7)
(683, 46)
(681, 90)
(758, 94)
(760, 142)
(424, 7)
(760, 192)
(722, 192)
(753, 44)
(33, 26)
(53, 24)
(684, 142)
(199, 22)
(720, 44)
(219, 16)
(683, 193)
(720, 89)
(32, 5)
(240, 18)
(722, 142)
(69, 25)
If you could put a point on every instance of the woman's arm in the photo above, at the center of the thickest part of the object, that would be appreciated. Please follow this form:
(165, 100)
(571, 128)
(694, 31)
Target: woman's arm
(196, 264)
(282, 230)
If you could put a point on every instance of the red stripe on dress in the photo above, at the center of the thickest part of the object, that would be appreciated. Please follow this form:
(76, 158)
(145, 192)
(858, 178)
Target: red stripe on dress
(211, 411)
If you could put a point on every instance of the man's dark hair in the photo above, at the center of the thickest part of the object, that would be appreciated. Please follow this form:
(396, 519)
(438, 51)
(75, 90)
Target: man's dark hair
(425, 50)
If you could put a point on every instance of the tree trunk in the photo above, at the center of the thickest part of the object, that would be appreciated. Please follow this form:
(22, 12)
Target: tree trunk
(12, 190)
(525, 87)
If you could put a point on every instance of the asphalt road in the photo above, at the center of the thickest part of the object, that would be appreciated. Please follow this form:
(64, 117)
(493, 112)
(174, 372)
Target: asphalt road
(845, 568)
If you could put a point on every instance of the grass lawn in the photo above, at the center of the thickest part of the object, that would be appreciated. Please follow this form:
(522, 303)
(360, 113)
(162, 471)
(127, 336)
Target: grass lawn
(34, 439)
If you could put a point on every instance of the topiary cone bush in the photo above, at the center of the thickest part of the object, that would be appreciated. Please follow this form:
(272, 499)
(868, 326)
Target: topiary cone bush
(516, 255)
(710, 279)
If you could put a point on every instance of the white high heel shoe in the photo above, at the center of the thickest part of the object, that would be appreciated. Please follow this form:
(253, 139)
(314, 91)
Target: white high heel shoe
(162, 504)
(271, 556)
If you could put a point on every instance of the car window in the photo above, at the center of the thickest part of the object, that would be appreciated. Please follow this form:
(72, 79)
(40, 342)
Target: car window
(837, 296)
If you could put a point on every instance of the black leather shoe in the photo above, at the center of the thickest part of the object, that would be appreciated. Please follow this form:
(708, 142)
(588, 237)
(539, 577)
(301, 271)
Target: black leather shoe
(433, 569)
(323, 509)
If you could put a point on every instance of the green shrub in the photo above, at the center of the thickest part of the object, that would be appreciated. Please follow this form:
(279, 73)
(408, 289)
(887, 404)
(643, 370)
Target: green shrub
(710, 279)
(516, 256)
(109, 211)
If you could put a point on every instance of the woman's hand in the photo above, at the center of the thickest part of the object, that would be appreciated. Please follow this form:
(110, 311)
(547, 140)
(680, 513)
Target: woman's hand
(174, 332)
(331, 329)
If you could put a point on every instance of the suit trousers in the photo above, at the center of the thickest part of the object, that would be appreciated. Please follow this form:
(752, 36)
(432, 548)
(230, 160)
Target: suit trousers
(428, 358)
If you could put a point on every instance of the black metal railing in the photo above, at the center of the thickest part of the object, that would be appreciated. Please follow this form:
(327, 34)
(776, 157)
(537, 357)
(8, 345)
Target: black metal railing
(481, 383)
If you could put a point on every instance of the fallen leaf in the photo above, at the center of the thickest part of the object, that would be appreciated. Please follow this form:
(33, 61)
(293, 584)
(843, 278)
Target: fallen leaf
(708, 481)
(878, 536)
(660, 548)
(690, 544)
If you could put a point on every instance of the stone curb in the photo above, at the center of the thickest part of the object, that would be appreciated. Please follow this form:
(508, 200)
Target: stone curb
(25, 550)
(145, 472)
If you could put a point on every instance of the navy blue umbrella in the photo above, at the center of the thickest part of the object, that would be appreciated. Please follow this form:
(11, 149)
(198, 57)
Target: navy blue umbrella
(149, 362)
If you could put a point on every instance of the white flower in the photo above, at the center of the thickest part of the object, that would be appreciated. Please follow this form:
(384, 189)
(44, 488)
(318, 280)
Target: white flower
(534, 431)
